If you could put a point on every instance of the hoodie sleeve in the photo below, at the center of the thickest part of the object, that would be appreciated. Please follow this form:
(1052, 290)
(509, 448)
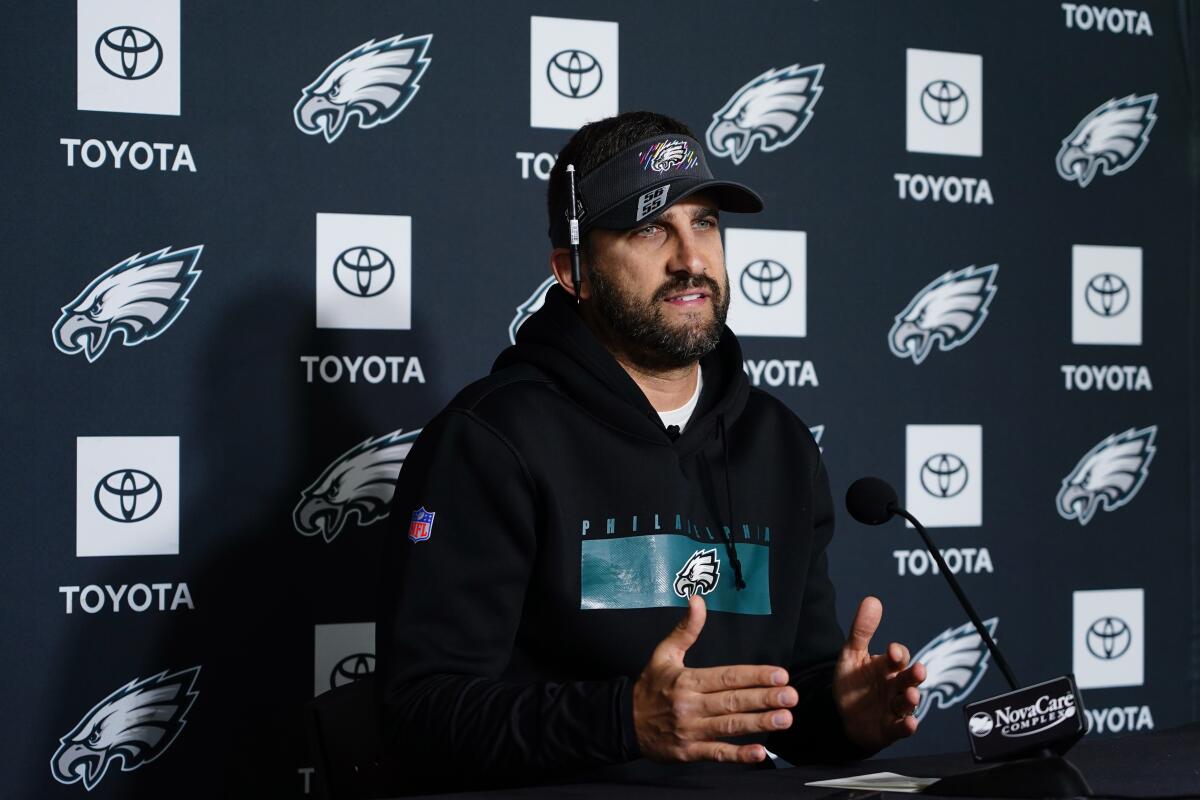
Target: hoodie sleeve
(451, 606)
(817, 734)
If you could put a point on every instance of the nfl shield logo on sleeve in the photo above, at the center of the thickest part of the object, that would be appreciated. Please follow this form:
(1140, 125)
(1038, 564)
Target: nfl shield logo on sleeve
(421, 527)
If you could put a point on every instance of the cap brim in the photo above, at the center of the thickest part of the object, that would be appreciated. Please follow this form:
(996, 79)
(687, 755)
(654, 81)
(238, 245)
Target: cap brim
(729, 195)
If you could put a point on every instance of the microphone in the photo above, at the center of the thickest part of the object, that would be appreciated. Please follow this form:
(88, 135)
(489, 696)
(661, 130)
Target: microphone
(1040, 734)
(871, 501)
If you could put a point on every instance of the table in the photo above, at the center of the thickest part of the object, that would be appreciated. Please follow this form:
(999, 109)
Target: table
(1156, 764)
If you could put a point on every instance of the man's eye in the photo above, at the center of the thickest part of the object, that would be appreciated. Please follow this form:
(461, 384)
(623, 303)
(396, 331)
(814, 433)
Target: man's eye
(649, 230)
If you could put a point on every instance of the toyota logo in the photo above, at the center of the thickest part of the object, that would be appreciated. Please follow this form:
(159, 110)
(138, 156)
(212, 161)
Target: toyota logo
(364, 271)
(574, 73)
(765, 282)
(944, 475)
(129, 53)
(1106, 294)
(351, 668)
(944, 102)
(1108, 638)
(128, 495)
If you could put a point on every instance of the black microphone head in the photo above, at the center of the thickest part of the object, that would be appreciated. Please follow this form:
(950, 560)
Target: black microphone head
(871, 501)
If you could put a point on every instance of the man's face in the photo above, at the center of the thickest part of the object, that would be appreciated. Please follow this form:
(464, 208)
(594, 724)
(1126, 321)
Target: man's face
(660, 291)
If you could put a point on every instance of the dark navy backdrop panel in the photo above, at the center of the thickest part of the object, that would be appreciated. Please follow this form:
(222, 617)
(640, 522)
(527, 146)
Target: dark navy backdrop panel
(254, 248)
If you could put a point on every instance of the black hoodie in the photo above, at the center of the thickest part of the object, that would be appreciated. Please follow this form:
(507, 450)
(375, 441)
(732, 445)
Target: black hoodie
(567, 530)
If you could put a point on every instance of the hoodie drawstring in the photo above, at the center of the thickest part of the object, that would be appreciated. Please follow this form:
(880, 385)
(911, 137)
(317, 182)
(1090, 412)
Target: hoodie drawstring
(730, 547)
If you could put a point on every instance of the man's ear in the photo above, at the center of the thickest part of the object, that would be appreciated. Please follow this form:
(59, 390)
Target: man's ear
(560, 265)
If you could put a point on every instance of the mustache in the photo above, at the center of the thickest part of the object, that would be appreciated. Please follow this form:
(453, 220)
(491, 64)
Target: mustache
(688, 282)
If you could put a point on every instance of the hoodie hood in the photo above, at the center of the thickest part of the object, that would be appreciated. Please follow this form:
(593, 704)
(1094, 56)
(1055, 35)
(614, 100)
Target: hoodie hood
(556, 341)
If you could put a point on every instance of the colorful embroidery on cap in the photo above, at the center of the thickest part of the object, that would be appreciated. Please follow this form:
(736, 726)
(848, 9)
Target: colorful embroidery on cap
(668, 155)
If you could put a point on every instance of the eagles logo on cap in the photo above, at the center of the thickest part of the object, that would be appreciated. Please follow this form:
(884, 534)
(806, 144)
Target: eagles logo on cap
(667, 155)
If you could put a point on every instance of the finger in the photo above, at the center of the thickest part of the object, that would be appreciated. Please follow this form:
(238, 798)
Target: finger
(715, 704)
(897, 656)
(685, 633)
(913, 676)
(738, 676)
(741, 724)
(905, 702)
(903, 728)
(866, 621)
(722, 751)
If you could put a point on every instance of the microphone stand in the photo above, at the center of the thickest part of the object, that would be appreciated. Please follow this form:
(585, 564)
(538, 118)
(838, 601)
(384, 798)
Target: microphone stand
(962, 597)
(1046, 773)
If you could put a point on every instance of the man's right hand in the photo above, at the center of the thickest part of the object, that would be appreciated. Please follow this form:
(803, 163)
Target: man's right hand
(680, 714)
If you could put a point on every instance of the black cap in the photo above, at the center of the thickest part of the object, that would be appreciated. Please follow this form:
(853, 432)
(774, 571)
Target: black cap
(643, 180)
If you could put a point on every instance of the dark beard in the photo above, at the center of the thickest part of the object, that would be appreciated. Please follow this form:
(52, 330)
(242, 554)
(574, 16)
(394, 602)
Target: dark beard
(640, 332)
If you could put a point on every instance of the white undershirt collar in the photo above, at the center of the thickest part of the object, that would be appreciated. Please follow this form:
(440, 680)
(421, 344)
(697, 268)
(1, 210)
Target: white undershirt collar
(683, 414)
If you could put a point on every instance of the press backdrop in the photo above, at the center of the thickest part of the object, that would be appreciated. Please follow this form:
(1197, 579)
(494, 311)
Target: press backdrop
(253, 247)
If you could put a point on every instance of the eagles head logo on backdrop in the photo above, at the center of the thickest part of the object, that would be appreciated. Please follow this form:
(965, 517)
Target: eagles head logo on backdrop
(770, 110)
(955, 661)
(947, 313)
(1109, 476)
(531, 305)
(1109, 139)
(373, 82)
(699, 575)
(138, 298)
(360, 482)
(135, 724)
(817, 431)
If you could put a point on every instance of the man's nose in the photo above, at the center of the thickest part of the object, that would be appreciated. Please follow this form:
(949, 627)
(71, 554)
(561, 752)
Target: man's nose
(689, 256)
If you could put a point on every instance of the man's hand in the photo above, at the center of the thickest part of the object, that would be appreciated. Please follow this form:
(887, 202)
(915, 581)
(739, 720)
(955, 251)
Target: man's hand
(875, 695)
(679, 713)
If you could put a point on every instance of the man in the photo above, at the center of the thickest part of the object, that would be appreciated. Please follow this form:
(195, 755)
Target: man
(615, 468)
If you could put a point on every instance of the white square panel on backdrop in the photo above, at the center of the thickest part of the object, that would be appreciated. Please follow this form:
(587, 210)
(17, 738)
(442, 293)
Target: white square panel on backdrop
(1109, 638)
(128, 55)
(364, 271)
(944, 103)
(342, 653)
(572, 72)
(768, 282)
(1106, 295)
(944, 474)
(126, 495)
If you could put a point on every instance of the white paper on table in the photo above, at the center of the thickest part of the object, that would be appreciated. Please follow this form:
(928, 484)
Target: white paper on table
(879, 782)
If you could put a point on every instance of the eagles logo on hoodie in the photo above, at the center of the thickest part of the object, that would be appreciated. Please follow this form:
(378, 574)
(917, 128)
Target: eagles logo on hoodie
(699, 575)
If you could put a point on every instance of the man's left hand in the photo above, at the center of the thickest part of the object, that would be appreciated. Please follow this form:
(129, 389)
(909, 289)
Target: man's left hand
(876, 695)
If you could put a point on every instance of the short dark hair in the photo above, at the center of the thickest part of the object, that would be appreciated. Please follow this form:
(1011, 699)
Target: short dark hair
(598, 141)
